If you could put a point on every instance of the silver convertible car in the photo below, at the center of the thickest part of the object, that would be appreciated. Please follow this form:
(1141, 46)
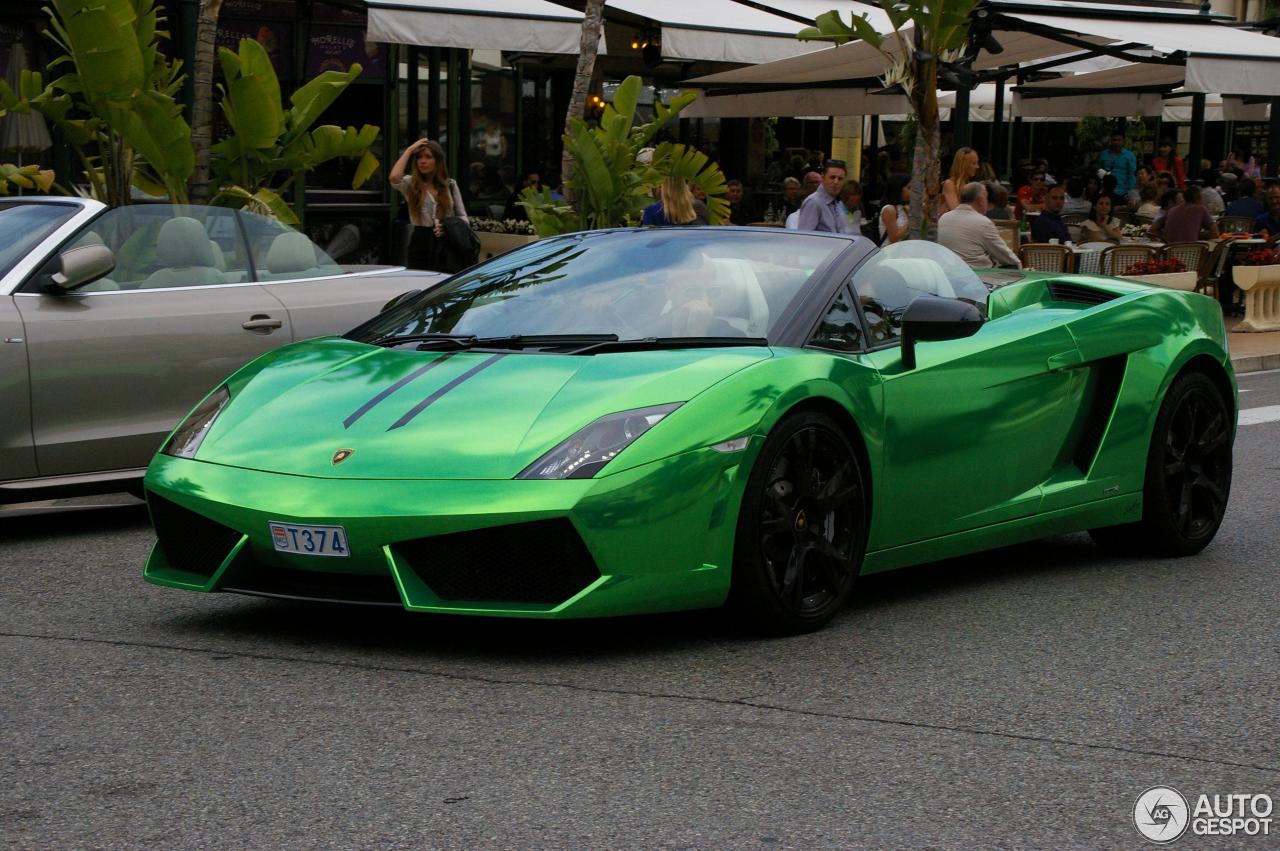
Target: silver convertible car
(115, 322)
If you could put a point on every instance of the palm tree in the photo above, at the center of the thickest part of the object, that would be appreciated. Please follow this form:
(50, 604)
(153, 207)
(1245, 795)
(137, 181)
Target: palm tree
(588, 46)
(923, 35)
(202, 96)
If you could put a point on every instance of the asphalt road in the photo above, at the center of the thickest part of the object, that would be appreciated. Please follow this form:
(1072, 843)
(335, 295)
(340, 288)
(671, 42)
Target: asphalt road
(1020, 699)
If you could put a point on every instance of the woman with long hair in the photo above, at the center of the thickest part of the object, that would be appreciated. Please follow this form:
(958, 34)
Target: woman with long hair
(894, 214)
(432, 195)
(1100, 226)
(964, 168)
(675, 205)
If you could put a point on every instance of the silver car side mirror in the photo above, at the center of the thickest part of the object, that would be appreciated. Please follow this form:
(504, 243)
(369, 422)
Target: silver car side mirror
(82, 266)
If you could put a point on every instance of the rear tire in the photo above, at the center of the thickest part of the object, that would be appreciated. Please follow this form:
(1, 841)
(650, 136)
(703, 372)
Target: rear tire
(801, 529)
(1188, 476)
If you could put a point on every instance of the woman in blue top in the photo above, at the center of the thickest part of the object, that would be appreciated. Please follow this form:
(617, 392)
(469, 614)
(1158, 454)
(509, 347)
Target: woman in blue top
(675, 206)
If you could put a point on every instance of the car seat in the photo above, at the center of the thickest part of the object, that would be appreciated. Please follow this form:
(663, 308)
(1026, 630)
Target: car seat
(293, 255)
(741, 301)
(184, 251)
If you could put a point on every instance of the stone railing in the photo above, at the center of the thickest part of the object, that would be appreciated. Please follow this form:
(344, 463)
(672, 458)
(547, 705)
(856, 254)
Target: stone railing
(1261, 285)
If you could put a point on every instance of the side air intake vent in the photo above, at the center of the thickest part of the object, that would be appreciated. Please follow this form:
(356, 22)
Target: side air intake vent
(1079, 294)
(189, 541)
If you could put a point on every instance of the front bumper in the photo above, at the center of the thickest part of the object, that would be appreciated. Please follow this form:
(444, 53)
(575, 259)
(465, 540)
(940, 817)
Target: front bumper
(657, 537)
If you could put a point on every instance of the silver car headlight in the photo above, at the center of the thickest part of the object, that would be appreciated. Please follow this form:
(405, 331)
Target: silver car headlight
(590, 448)
(186, 439)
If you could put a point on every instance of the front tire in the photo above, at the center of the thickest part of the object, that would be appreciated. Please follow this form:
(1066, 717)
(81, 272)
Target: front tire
(801, 530)
(1188, 476)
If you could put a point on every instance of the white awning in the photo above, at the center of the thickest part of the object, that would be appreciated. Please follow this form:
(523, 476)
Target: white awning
(719, 30)
(1101, 105)
(531, 26)
(1219, 58)
(859, 60)
(1132, 75)
(796, 102)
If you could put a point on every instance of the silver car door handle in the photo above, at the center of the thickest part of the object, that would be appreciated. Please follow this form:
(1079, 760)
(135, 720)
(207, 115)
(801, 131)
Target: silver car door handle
(261, 322)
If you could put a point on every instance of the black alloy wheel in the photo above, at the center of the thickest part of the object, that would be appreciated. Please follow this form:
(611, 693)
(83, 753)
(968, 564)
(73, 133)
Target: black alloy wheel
(802, 528)
(1188, 476)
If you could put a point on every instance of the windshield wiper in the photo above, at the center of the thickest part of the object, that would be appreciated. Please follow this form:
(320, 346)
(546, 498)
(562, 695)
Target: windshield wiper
(641, 343)
(399, 340)
(520, 341)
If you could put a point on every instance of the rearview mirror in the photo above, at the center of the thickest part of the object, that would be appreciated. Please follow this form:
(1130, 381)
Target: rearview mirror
(933, 318)
(81, 266)
(399, 300)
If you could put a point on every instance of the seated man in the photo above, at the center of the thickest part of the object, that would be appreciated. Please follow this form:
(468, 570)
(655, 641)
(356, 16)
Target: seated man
(1049, 225)
(967, 231)
(692, 287)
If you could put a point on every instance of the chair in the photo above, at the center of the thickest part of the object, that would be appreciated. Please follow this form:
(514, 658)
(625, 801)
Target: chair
(741, 302)
(1145, 221)
(1117, 258)
(293, 255)
(1194, 255)
(185, 254)
(1045, 257)
(1235, 224)
(1074, 218)
(1124, 216)
(1008, 231)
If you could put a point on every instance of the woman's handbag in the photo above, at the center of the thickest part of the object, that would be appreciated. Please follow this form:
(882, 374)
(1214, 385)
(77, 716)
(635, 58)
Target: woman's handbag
(459, 247)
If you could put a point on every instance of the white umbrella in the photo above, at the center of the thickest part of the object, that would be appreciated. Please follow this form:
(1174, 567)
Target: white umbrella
(25, 133)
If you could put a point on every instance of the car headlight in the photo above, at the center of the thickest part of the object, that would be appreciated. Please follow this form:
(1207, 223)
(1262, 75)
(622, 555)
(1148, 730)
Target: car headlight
(590, 448)
(186, 439)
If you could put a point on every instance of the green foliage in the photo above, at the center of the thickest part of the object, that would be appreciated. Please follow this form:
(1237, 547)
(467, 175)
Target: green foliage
(24, 177)
(270, 144)
(132, 131)
(924, 34)
(611, 186)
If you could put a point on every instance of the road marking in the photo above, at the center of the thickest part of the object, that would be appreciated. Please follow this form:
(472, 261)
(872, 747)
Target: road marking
(1256, 416)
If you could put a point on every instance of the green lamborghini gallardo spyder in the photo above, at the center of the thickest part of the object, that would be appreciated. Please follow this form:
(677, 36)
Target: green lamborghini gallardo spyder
(631, 421)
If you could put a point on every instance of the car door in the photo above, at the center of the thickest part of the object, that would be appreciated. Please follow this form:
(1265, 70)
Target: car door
(116, 364)
(977, 427)
(321, 297)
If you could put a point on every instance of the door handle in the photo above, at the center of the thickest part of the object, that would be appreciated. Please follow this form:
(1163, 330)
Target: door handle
(261, 323)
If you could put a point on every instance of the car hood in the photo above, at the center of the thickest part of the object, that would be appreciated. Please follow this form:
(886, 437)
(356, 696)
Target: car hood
(432, 415)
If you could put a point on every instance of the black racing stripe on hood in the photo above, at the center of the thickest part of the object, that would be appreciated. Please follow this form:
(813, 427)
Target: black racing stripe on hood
(369, 406)
(430, 400)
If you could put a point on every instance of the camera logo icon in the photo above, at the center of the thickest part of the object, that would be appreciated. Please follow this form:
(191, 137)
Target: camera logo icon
(1161, 814)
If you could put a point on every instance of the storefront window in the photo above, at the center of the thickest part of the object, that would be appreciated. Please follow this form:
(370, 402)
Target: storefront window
(491, 158)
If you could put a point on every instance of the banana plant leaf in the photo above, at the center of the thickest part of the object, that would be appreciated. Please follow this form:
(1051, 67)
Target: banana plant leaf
(310, 101)
(253, 90)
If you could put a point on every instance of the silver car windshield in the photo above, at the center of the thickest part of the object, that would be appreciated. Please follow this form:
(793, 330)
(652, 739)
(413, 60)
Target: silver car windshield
(689, 282)
(23, 226)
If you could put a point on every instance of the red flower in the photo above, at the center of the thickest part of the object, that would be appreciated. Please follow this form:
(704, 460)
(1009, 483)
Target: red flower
(1156, 267)
(1260, 257)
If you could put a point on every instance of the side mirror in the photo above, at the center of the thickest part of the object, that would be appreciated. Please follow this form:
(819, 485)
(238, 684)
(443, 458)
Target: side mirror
(82, 266)
(399, 300)
(933, 318)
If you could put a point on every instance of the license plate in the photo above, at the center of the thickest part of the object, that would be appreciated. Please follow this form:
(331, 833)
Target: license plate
(328, 541)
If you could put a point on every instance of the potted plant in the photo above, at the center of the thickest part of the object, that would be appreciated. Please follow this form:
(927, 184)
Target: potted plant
(1170, 272)
(500, 236)
(1257, 272)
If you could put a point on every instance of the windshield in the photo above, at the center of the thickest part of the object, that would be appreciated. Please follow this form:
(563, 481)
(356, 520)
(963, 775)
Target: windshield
(898, 274)
(24, 226)
(693, 282)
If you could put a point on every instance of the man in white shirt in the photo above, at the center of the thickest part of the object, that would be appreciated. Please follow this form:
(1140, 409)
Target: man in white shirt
(967, 231)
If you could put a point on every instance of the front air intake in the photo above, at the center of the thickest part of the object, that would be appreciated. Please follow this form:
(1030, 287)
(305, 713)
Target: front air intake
(189, 541)
(1079, 294)
(544, 562)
